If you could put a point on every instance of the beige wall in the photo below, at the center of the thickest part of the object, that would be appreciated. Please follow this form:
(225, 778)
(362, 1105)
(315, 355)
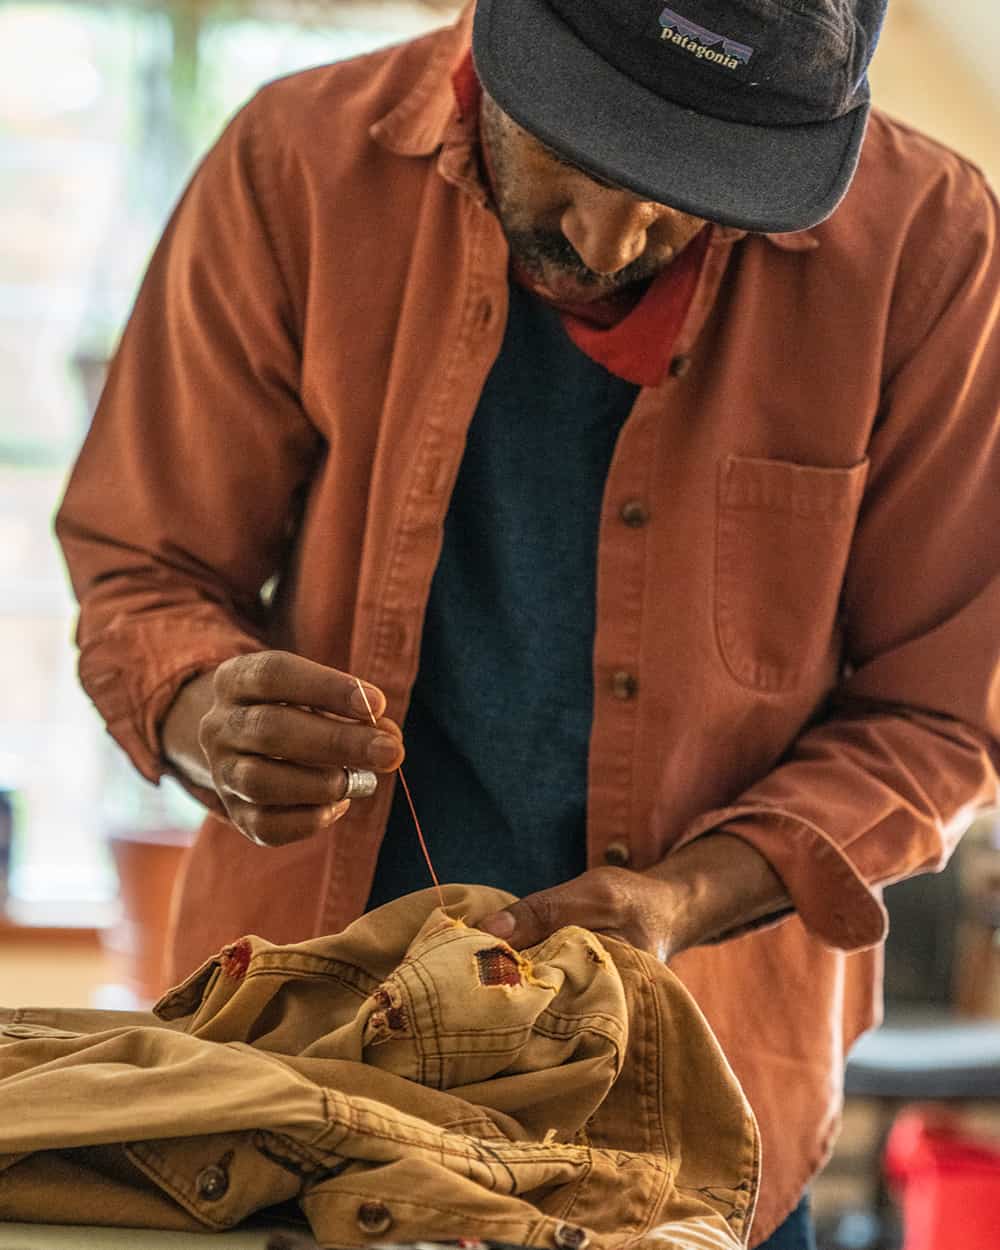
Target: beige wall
(935, 67)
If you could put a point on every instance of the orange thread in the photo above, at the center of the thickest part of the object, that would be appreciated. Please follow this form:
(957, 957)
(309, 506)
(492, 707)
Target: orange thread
(409, 799)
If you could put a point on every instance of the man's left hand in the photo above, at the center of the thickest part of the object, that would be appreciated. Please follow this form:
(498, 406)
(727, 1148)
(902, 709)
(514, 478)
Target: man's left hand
(716, 886)
(615, 901)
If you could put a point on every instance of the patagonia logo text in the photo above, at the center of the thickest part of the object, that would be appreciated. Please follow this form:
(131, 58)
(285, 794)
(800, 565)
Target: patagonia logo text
(704, 44)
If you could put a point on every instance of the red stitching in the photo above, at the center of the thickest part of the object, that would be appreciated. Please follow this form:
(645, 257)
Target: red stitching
(234, 960)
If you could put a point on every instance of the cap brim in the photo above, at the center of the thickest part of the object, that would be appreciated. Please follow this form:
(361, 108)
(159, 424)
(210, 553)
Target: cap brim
(768, 179)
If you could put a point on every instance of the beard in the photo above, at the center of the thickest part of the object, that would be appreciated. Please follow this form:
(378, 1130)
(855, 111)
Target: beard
(538, 252)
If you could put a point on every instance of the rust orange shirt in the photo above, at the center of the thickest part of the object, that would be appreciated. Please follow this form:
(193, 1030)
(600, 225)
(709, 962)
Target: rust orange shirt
(798, 614)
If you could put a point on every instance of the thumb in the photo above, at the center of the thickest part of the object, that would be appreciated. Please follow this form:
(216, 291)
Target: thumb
(529, 921)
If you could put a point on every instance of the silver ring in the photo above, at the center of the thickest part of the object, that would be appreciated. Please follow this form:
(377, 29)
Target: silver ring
(361, 783)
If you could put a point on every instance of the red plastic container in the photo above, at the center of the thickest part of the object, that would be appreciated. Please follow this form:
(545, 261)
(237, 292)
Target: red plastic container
(947, 1184)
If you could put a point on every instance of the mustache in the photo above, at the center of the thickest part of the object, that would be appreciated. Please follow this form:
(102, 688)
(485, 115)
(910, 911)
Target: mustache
(534, 247)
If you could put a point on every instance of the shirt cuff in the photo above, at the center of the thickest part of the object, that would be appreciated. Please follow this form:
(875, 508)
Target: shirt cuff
(828, 893)
(134, 717)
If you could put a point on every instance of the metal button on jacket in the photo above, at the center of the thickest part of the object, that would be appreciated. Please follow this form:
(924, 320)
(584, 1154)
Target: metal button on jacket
(633, 513)
(679, 366)
(211, 1183)
(570, 1237)
(617, 854)
(374, 1218)
(624, 685)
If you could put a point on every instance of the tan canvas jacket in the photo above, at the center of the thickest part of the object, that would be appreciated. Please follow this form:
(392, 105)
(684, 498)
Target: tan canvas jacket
(409, 1078)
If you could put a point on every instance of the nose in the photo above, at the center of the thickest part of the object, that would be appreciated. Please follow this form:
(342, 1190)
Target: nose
(607, 227)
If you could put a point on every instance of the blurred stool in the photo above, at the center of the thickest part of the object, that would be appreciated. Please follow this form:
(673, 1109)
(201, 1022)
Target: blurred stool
(924, 1052)
(915, 1057)
(926, 1059)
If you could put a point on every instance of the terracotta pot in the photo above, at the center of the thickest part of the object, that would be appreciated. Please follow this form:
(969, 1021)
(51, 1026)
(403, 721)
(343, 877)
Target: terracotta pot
(147, 864)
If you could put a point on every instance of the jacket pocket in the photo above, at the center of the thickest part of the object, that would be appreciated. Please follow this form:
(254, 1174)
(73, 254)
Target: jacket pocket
(782, 540)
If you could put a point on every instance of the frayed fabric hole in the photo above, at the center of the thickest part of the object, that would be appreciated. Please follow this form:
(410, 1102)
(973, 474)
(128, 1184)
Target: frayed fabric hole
(235, 959)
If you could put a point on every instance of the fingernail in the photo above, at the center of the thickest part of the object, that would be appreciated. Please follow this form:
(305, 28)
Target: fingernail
(358, 704)
(383, 750)
(501, 924)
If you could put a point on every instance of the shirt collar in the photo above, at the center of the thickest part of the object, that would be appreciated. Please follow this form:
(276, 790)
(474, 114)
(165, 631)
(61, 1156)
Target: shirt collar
(419, 123)
(427, 116)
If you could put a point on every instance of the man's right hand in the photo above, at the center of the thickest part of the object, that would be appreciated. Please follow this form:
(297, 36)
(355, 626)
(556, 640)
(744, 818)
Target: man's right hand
(272, 734)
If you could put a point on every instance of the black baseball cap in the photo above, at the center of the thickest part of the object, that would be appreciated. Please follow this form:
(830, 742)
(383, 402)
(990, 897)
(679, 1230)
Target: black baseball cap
(749, 113)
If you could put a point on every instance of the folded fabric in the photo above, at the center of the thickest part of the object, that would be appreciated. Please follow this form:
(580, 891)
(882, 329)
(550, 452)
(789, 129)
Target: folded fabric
(410, 1078)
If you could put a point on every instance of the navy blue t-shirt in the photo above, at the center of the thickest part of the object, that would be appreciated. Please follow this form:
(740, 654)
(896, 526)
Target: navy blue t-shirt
(498, 730)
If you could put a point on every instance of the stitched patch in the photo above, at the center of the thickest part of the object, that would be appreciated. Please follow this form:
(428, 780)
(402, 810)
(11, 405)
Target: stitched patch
(498, 966)
(234, 960)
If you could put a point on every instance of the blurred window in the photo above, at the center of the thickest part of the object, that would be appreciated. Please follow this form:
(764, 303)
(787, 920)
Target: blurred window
(103, 113)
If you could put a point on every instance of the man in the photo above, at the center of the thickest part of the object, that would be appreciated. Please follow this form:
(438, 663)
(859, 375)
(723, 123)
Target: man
(643, 472)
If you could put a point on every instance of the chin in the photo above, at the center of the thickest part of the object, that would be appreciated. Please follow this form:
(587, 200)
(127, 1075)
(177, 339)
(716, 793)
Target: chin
(569, 287)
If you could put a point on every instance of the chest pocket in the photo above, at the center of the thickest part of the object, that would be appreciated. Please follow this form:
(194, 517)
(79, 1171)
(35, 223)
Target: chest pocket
(782, 539)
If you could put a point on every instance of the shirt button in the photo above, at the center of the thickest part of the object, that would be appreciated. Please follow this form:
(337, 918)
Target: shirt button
(211, 1183)
(570, 1237)
(679, 366)
(392, 637)
(633, 513)
(374, 1218)
(623, 685)
(617, 854)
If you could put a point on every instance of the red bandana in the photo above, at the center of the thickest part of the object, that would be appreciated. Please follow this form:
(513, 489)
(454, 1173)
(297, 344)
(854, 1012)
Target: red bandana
(631, 337)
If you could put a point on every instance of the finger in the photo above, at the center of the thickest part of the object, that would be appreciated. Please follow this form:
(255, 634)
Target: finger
(525, 923)
(308, 738)
(593, 900)
(529, 921)
(281, 677)
(281, 826)
(264, 782)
